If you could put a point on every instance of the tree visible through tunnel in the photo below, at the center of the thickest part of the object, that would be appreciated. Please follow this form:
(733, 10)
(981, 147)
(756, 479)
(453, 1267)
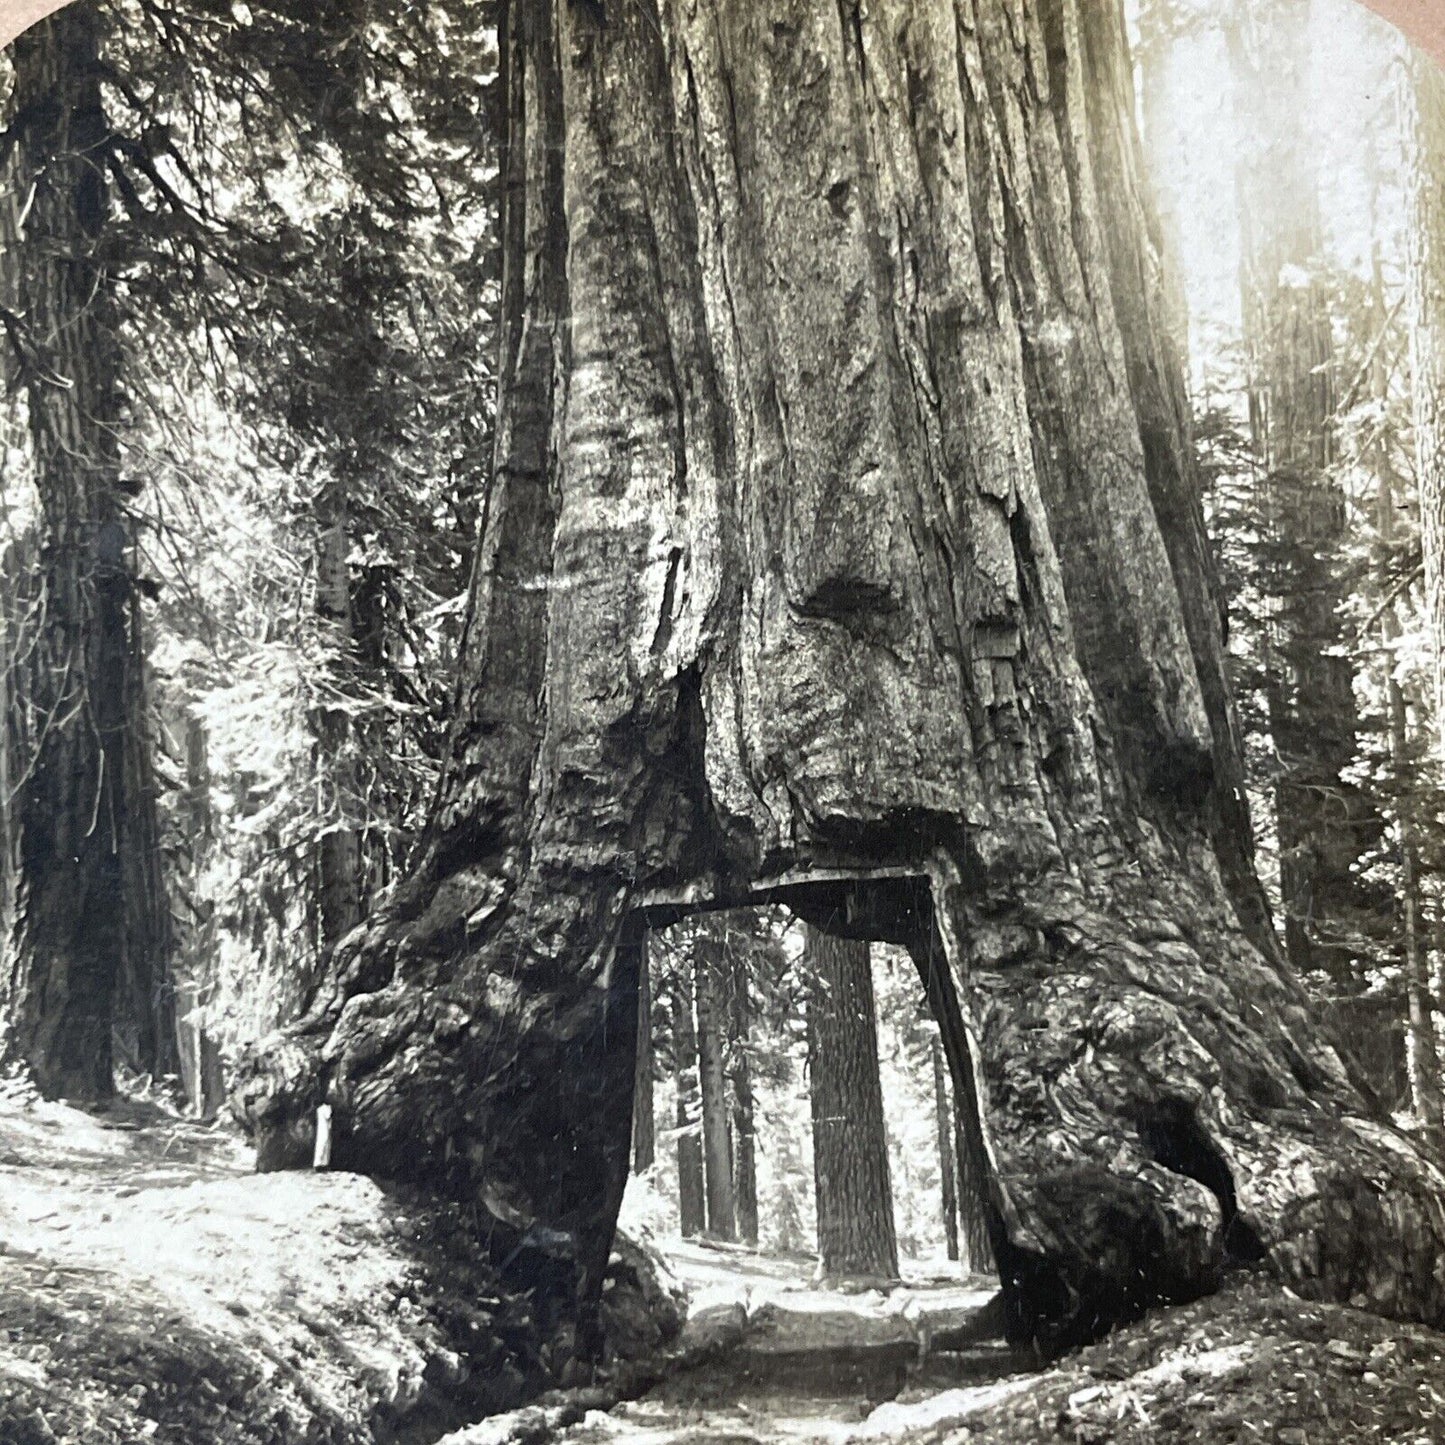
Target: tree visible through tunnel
(830, 1127)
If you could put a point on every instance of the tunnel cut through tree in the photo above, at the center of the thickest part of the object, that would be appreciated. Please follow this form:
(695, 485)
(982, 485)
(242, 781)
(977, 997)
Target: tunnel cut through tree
(837, 417)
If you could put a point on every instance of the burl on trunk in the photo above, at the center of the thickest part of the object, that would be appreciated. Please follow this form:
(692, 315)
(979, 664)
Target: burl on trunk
(841, 548)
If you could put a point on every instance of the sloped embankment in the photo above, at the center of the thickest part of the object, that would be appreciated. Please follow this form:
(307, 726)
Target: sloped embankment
(153, 1288)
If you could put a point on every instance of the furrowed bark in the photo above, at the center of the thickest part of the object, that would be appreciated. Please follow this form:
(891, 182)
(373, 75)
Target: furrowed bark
(145, 1013)
(823, 563)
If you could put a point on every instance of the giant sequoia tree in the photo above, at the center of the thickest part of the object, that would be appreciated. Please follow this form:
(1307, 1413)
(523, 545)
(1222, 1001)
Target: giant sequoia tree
(840, 549)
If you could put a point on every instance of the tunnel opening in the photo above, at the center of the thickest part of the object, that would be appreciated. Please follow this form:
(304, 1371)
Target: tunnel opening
(746, 1105)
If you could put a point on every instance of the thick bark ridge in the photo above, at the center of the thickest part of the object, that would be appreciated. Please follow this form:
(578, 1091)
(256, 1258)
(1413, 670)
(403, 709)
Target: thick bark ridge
(821, 563)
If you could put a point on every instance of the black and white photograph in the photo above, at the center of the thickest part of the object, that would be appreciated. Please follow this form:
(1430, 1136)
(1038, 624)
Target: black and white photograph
(722, 722)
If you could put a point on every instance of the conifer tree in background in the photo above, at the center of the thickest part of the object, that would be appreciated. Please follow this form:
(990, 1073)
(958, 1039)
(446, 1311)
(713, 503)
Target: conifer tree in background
(947, 1166)
(710, 982)
(856, 1236)
(382, 369)
(742, 937)
(1422, 93)
(691, 1187)
(92, 919)
(1316, 308)
(1422, 1050)
(1325, 823)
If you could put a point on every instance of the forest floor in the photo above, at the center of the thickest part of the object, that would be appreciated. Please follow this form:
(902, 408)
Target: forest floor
(1253, 1363)
(153, 1289)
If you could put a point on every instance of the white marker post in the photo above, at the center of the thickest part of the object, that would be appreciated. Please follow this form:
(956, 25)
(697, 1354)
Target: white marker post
(321, 1159)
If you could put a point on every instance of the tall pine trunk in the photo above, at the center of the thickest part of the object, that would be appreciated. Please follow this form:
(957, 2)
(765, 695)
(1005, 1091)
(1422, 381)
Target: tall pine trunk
(841, 550)
(710, 962)
(83, 896)
(200, 1059)
(856, 1236)
(691, 1195)
(740, 1080)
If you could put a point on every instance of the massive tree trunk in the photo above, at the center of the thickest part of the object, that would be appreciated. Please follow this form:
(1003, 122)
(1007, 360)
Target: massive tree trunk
(77, 808)
(833, 556)
(1325, 823)
(856, 1236)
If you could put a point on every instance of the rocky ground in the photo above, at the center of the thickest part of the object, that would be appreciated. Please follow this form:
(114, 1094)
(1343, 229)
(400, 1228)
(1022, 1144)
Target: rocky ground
(152, 1288)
